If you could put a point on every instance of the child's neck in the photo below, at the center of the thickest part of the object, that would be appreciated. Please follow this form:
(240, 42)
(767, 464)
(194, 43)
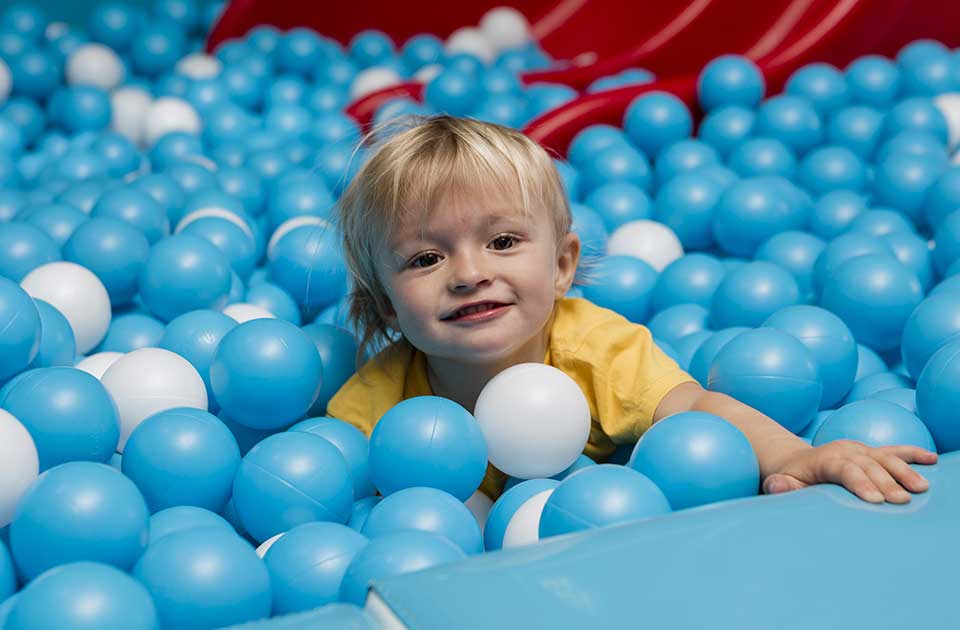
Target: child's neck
(463, 382)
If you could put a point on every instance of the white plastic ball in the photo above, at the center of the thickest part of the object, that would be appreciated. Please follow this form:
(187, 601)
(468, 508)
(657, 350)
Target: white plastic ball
(243, 312)
(535, 420)
(289, 225)
(78, 294)
(218, 213)
(199, 66)
(168, 114)
(94, 64)
(471, 41)
(949, 106)
(6, 81)
(505, 28)
(129, 107)
(372, 80)
(19, 464)
(479, 505)
(428, 73)
(524, 526)
(151, 380)
(265, 545)
(97, 364)
(650, 241)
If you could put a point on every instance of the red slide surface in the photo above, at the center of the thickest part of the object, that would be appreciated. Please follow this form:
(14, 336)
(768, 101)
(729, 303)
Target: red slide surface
(829, 31)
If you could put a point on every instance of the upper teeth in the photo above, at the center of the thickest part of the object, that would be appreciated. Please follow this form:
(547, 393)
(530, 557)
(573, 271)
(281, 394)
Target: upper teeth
(474, 309)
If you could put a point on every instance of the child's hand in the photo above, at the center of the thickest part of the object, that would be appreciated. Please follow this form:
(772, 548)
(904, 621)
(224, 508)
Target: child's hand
(873, 474)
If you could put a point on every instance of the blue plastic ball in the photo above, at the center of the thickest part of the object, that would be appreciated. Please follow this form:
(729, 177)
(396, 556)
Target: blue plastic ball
(136, 207)
(702, 359)
(687, 205)
(796, 252)
(874, 423)
(771, 371)
(184, 517)
(874, 295)
(762, 156)
(159, 44)
(675, 322)
(307, 565)
(8, 574)
(947, 239)
(726, 127)
(856, 128)
(195, 336)
(619, 202)
(83, 108)
(873, 80)
(69, 415)
(751, 293)
(130, 332)
(79, 511)
(842, 249)
(360, 512)
(829, 340)
(182, 457)
(57, 220)
(58, 347)
(655, 120)
(266, 373)
(371, 47)
(428, 441)
(688, 345)
(504, 508)
(916, 114)
(691, 279)
(184, 273)
(593, 139)
(790, 119)
(115, 24)
(20, 321)
(288, 479)
(623, 284)
(938, 395)
(881, 222)
(453, 92)
(395, 554)
(591, 229)
(913, 251)
(232, 240)
(35, 73)
(752, 210)
(205, 578)
(831, 168)
(84, 595)
(919, 143)
(834, 211)
(421, 50)
(299, 50)
(23, 248)
(868, 362)
(352, 444)
(684, 156)
(338, 352)
(730, 80)
(868, 386)
(308, 264)
(425, 509)
(902, 181)
(599, 496)
(616, 163)
(934, 323)
(696, 458)
(821, 84)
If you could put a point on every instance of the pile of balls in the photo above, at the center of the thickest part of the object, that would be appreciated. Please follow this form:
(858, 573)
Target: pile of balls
(173, 322)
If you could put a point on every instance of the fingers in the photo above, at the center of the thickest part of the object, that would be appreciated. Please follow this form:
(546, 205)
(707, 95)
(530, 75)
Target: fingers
(881, 478)
(901, 471)
(911, 454)
(852, 476)
(776, 484)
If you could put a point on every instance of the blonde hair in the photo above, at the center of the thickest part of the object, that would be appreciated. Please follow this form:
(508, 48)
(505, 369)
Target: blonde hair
(416, 162)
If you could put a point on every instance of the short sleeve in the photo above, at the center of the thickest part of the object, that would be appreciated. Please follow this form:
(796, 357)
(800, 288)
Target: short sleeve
(620, 369)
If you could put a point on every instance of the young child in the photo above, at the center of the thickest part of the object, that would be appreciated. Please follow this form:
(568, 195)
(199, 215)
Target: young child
(457, 236)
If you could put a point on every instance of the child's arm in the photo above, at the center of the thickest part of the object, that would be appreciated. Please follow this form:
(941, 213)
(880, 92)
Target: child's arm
(789, 463)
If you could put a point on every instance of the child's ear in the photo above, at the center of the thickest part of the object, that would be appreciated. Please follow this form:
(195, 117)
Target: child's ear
(568, 256)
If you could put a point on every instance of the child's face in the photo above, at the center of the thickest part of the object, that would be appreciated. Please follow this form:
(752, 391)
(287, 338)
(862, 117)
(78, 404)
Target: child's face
(478, 251)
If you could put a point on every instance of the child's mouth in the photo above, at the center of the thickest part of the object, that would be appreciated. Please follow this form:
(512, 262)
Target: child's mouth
(477, 311)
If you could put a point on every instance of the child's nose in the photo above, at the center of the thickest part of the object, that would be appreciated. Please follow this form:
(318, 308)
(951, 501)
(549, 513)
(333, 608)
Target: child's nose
(468, 273)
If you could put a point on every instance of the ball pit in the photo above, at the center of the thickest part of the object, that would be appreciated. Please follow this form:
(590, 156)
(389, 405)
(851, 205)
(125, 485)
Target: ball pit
(790, 253)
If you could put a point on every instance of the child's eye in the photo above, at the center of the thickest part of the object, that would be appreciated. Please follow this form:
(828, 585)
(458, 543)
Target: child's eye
(427, 259)
(504, 241)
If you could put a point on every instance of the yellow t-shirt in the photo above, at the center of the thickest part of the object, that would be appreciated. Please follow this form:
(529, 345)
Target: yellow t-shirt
(622, 373)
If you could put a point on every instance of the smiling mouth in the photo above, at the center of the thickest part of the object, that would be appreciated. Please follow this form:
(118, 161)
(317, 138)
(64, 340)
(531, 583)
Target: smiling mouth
(475, 310)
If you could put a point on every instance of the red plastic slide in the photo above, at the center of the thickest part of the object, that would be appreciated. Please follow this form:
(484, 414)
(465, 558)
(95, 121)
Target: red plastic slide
(827, 30)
